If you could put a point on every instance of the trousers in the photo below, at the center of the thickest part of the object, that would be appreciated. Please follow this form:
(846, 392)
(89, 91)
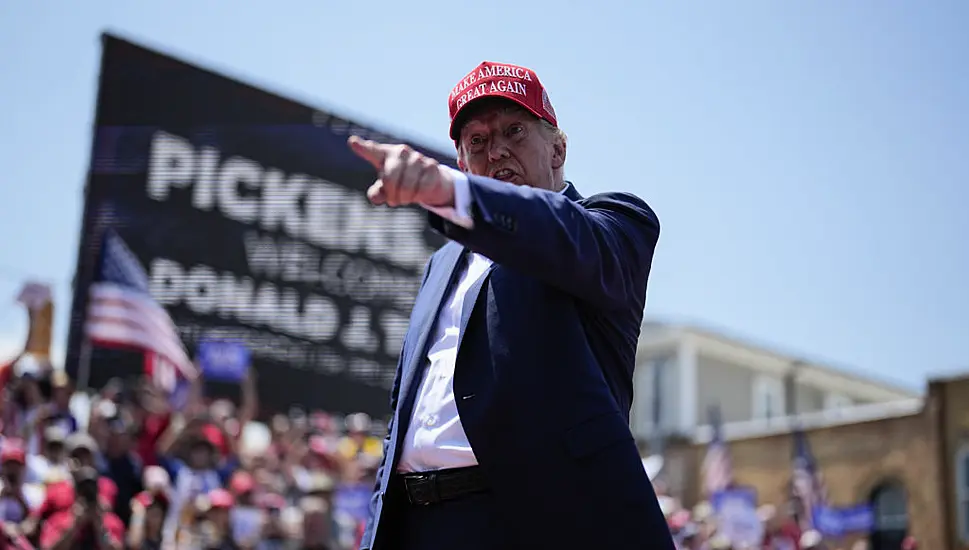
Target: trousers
(467, 523)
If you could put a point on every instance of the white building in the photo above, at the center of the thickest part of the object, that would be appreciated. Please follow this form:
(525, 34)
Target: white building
(683, 371)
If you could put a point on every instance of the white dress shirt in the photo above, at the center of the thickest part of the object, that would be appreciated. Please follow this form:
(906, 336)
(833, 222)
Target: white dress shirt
(435, 438)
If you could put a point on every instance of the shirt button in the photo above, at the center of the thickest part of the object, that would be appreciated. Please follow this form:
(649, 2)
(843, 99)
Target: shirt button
(431, 420)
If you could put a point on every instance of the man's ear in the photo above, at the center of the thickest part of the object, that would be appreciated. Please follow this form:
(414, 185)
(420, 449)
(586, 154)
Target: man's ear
(559, 149)
(461, 164)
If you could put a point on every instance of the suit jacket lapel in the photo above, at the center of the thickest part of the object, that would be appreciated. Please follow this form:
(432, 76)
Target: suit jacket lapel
(470, 301)
(442, 277)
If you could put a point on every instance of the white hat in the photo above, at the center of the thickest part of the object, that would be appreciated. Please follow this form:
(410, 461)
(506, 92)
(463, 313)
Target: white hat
(810, 539)
(156, 478)
(766, 512)
(81, 440)
(702, 511)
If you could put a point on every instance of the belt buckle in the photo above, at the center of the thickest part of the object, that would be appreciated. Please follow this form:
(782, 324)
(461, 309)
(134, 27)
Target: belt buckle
(422, 490)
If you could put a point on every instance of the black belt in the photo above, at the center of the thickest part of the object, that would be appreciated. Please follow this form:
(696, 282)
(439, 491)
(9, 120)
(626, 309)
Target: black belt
(438, 486)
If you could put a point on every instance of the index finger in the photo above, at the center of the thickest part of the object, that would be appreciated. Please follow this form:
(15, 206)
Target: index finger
(370, 151)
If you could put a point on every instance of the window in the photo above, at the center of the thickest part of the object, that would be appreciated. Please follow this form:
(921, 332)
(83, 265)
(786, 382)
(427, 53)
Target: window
(962, 491)
(835, 401)
(653, 400)
(768, 397)
(890, 506)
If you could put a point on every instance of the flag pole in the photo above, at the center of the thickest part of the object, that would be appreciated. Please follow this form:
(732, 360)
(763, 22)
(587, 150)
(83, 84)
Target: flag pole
(84, 365)
(85, 353)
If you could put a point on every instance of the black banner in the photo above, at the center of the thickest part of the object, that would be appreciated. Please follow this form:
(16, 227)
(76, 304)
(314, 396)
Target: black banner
(249, 214)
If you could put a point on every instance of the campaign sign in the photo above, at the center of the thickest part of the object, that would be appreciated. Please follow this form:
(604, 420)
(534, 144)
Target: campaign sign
(837, 522)
(354, 500)
(736, 511)
(249, 213)
(225, 360)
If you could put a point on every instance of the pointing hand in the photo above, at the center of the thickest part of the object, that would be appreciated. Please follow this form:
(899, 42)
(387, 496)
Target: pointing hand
(405, 176)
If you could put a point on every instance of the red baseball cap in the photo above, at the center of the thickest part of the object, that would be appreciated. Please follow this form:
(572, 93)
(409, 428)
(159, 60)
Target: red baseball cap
(241, 483)
(511, 82)
(220, 498)
(13, 453)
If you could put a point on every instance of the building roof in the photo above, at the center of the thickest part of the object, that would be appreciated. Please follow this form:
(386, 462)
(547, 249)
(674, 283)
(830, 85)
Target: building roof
(743, 351)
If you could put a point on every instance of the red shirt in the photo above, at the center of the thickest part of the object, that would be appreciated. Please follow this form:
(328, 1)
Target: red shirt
(53, 529)
(152, 430)
(787, 537)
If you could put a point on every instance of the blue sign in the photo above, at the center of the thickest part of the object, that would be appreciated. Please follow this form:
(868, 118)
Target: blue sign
(736, 511)
(354, 500)
(226, 360)
(836, 522)
(735, 496)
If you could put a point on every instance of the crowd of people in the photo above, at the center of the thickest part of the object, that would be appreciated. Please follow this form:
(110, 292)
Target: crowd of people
(123, 468)
(701, 528)
(126, 469)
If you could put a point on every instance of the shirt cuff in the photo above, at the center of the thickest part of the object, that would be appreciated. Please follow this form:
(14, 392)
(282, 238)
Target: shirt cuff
(460, 213)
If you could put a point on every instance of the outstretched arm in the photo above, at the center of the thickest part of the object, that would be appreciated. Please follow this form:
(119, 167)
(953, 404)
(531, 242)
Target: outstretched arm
(599, 250)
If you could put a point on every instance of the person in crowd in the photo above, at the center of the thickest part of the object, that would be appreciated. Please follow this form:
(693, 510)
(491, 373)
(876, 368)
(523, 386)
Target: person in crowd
(28, 410)
(58, 412)
(282, 436)
(532, 311)
(317, 457)
(52, 459)
(780, 533)
(87, 521)
(149, 509)
(14, 501)
(152, 418)
(246, 517)
(121, 463)
(324, 425)
(317, 506)
(212, 528)
(201, 471)
(316, 527)
(146, 528)
(14, 507)
(81, 447)
(358, 439)
(812, 540)
(274, 534)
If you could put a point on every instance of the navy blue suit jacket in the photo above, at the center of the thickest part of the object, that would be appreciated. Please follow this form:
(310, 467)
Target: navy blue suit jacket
(544, 376)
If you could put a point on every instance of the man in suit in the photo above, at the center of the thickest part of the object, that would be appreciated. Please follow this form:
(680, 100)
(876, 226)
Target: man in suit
(512, 395)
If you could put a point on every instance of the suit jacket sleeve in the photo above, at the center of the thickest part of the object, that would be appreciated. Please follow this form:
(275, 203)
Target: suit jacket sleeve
(394, 395)
(599, 249)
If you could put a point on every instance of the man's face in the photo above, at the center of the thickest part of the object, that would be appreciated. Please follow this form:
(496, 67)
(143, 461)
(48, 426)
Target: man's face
(55, 451)
(502, 141)
(83, 456)
(200, 456)
(61, 396)
(13, 471)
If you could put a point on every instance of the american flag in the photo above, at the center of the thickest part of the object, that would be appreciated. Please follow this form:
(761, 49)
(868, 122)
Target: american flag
(807, 488)
(122, 313)
(717, 466)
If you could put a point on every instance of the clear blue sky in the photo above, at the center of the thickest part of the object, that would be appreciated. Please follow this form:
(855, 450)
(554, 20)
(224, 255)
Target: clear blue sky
(809, 160)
